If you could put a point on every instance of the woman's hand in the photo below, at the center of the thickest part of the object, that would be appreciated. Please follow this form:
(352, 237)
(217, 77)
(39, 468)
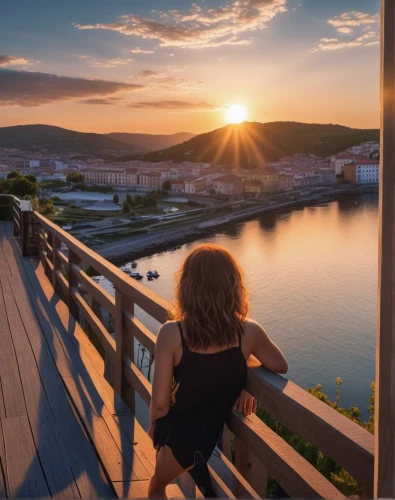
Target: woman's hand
(245, 403)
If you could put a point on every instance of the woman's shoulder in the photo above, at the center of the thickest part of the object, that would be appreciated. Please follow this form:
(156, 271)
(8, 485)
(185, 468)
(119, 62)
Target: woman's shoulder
(252, 327)
(169, 335)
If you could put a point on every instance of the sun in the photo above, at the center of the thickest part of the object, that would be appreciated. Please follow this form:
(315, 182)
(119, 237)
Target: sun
(236, 113)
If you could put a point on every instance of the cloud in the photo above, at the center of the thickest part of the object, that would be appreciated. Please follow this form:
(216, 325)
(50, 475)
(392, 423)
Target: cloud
(12, 60)
(347, 24)
(101, 102)
(147, 73)
(162, 83)
(137, 50)
(338, 45)
(353, 19)
(23, 88)
(174, 105)
(367, 36)
(345, 30)
(109, 63)
(199, 27)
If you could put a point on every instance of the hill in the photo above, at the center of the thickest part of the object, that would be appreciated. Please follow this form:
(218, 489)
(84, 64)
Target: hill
(58, 140)
(151, 142)
(249, 144)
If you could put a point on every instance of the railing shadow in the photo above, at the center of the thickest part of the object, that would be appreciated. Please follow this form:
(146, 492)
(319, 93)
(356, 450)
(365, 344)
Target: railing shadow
(91, 403)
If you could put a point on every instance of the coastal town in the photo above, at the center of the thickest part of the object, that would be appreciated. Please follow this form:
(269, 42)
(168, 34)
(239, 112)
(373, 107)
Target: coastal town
(358, 165)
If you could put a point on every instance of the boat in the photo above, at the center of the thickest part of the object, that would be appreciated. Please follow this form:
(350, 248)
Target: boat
(134, 265)
(136, 276)
(153, 274)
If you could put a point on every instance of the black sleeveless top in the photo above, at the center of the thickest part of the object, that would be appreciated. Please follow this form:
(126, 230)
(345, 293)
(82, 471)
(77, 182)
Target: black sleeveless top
(205, 388)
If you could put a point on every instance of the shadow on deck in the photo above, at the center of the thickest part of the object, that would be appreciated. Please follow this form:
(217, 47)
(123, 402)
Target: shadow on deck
(63, 430)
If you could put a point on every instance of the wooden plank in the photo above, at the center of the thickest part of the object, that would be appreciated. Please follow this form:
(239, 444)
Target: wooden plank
(137, 329)
(82, 457)
(294, 474)
(117, 455)
(24, 473)
(251, 469)
(104, 336)
(98, 293)
(220, 486)
(137, 380)
(240, 485)
(53, 458)
(384, 469)
(139, 489)
(336, 436)
(3, 465)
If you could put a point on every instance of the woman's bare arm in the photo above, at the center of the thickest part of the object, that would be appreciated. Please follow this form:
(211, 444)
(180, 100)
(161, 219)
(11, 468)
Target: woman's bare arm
(265, 350)
(163, 375)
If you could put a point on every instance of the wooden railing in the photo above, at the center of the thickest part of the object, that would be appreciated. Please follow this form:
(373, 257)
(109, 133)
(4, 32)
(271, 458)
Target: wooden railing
(257, 450)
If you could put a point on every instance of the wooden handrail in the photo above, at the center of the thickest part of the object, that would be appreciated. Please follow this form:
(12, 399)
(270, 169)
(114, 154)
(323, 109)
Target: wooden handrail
(144, 298)
(332, 433)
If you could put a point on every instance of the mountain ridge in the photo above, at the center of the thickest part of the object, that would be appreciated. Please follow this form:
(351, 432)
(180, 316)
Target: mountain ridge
(250, 144)
(59, 140)
(152, 142)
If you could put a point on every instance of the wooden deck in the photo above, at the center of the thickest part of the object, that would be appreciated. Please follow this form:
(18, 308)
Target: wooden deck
(63, 430)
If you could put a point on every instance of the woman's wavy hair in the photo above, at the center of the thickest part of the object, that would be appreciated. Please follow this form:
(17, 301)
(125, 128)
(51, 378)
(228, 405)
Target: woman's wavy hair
(211, 298)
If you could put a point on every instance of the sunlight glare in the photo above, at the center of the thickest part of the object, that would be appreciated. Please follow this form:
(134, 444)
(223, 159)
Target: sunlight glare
(236, 114)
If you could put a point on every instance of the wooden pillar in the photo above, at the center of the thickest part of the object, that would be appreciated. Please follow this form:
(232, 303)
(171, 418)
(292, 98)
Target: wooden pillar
(73, 283)
(56, 245)
(47, 268)
(251, 469)
(384, 473)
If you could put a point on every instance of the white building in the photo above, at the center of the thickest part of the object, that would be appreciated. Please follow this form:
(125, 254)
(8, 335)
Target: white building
(367, 172)
(338, 162)
(34, 163)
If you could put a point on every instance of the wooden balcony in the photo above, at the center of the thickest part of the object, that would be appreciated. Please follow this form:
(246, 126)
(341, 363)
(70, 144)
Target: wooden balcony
(60, 381)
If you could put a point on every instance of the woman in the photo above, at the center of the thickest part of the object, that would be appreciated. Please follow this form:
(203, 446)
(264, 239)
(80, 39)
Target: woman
(200, 363)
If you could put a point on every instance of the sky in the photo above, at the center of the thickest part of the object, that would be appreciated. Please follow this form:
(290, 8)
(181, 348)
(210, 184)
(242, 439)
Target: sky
(166, 66)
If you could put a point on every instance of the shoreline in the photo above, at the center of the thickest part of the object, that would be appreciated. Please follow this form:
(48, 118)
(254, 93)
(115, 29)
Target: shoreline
(132, 248)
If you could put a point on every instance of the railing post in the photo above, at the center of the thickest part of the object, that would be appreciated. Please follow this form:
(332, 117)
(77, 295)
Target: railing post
(73, 283)
(56, 245)
(251, 469)
(48, 269)
(124, 346)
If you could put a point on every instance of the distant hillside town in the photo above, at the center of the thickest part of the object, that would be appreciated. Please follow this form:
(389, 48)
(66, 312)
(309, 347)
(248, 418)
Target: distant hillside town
(358, 165)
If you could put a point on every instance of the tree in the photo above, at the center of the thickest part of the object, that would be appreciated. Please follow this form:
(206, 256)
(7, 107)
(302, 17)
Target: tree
(115, 199)
(138, 199)
(166, 185)
(47, 207)
(125, 207)
(31, 177)
(74, 177)
(13, 175)
(57, 199)
(129, 199)
(22, 186)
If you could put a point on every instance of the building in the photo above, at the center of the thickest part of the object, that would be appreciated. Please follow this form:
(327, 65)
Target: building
(131, 177)
(178, 186)
(338, 162)
(267, 175)
(367, 172)
(255, 187)
(228, 184)
(285, 182)
(193, 186)
(34, 163)
(350, 173)
(114, 177)
(151, 180)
